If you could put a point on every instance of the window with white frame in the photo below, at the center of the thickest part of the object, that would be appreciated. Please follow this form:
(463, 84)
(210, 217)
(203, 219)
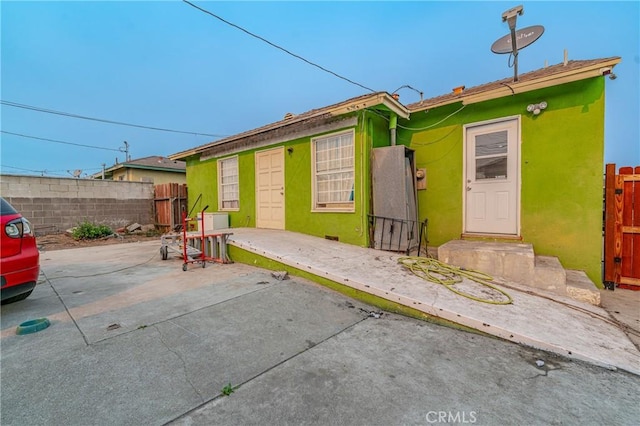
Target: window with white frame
(228, 184)
(333, 172)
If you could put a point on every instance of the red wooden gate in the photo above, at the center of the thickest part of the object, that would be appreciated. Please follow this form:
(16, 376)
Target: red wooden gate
(622, 228)
(169, 201)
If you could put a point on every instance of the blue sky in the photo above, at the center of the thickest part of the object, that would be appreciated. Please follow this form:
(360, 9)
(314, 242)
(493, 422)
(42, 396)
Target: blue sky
(168, 65)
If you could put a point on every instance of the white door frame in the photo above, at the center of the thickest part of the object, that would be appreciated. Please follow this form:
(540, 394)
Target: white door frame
(518, 183)
(261, 222)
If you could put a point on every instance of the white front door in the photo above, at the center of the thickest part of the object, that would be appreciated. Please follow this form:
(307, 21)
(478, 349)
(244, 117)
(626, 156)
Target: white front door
(270, 189)
(492, 178)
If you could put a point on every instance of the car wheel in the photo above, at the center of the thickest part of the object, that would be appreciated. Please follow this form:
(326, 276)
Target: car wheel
(17, 298)
(164, 252)
(184, 266)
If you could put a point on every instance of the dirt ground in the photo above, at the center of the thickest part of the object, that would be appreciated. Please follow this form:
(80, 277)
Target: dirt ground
(63, 241)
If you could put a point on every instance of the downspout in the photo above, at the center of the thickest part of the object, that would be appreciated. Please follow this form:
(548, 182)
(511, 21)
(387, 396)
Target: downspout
(393, 123)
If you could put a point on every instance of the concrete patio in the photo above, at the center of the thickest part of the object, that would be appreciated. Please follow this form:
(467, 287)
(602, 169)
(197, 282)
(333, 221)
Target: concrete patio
(536, 318)
(135, 340)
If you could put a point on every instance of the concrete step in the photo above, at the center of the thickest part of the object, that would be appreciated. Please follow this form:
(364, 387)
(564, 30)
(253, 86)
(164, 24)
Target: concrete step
(549, 274)
(580, 287)
(511, 261)
(517, 262)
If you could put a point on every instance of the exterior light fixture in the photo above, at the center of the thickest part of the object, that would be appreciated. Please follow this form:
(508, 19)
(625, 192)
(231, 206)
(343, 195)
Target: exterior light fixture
(536, 108)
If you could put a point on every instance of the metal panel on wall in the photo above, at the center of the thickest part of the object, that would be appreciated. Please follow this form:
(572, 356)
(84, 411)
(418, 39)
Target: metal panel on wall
(395, 212)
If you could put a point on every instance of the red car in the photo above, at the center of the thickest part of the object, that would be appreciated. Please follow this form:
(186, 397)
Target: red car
(19, 257)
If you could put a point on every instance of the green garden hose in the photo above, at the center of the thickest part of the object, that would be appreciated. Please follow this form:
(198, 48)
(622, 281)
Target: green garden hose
(440, 273)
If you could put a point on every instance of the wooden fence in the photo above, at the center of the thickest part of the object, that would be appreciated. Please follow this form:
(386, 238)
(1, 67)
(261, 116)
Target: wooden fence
(170, 200)
(622, 228)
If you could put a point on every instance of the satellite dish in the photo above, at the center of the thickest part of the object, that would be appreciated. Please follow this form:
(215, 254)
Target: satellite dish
(77, 173)
(524, 37)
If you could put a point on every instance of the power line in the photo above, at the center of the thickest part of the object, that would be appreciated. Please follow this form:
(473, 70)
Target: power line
(434, 124)
(19, 168)
(56, 141)
(279, 47)
(45, 171)
(102, 120)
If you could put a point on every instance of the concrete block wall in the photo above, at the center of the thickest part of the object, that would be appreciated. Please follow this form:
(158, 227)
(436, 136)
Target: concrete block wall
(56, 204)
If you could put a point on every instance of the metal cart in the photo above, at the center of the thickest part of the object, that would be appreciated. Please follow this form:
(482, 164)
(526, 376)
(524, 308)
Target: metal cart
(172, 243)
(196, 246)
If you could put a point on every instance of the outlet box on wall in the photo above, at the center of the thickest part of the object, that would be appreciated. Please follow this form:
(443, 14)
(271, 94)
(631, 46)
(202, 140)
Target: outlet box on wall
(421, 179)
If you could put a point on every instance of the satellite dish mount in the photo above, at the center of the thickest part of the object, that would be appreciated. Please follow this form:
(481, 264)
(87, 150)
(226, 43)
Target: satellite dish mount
(511, 16)
(516, 39)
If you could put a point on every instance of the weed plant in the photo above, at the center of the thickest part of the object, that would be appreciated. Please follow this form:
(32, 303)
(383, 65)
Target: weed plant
(90, 231)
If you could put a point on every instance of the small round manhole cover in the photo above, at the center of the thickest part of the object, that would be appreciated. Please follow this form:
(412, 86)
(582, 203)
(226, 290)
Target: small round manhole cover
(33, 326)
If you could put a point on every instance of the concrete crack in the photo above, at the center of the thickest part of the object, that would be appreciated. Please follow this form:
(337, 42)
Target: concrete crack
(184, 364)
(309, 347)
(435, 299)
(537, 375)
(84, 337)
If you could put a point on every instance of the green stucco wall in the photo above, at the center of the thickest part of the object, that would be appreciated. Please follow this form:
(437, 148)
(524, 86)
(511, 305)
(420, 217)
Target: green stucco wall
(348, 227)
(201, 184)
(561, 169)
(562, 160)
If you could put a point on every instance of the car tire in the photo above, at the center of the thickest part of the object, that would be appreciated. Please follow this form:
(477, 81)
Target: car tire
(17, 298)
(164, 252)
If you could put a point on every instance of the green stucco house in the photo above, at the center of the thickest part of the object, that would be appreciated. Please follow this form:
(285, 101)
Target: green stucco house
(505, 161)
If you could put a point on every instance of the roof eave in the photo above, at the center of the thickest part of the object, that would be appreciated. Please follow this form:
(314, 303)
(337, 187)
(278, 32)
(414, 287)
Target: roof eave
(194, 151)
(515, 88)
(141, 166)
(156, 168)
(595, 70)
(182, 155)
(382, 98)
(113, 168)
(378, 99)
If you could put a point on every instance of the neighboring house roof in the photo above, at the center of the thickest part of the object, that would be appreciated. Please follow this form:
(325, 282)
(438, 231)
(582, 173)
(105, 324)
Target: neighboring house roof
(380, 100)
(154, 162)
(534, 80)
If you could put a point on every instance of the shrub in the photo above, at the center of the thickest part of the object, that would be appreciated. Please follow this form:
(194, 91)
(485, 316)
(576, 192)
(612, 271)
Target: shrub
(90, 231)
